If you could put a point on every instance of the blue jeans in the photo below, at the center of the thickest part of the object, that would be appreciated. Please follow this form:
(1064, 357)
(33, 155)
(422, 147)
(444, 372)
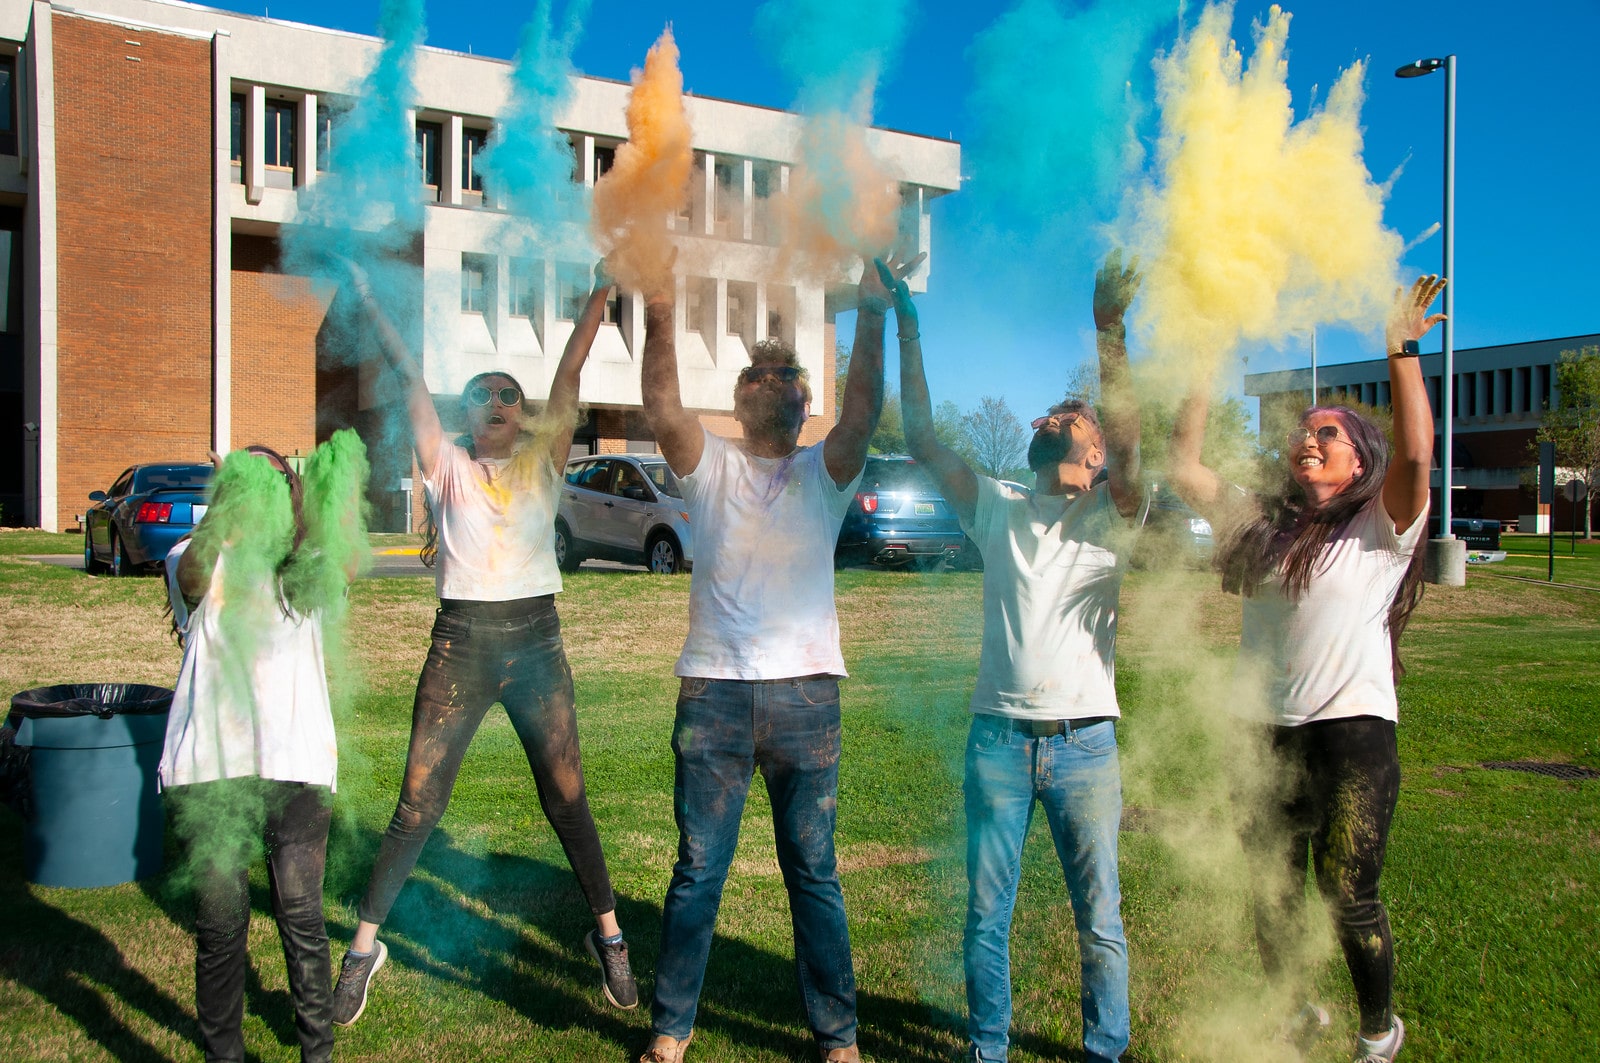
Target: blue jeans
(725, 730)
(1076, 777)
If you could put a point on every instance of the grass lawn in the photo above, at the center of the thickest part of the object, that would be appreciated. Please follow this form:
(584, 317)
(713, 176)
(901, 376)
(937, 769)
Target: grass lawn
(1493, 877)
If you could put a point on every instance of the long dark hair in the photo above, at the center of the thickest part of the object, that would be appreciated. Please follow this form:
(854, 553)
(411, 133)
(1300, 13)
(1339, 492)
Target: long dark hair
(1294, 534)
(429, 555)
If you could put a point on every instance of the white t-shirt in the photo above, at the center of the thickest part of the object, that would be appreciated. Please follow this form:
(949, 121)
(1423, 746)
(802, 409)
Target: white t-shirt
(496, 521)
(270, 718)
(1327, 656)
(1052, 571)
(761, 596)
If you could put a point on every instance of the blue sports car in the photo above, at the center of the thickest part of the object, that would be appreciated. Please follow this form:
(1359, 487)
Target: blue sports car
(147, 510)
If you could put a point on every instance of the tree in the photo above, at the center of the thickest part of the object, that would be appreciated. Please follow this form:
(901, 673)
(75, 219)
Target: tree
(1573, 423)
(995, 437)
(890, 435)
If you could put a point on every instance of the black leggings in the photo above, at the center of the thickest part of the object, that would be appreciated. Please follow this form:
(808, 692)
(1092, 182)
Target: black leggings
(481, 655)
(1333, 792)
(224, 824)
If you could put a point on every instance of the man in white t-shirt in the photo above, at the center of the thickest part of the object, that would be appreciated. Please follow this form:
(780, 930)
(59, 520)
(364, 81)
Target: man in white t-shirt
(1045, 701)
(760, 669)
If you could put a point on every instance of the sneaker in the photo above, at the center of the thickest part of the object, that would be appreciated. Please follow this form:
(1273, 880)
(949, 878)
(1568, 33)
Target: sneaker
(1386, 1050)
(355, 974)
(847, 1054)
(616, 975)
(664, 1049)
(1305, 1027)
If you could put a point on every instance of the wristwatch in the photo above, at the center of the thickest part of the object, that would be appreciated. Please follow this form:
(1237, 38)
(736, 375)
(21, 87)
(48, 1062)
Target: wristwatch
(1408, 349)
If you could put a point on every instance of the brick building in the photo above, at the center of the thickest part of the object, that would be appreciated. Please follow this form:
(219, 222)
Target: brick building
(151, 153)
(1498, 397)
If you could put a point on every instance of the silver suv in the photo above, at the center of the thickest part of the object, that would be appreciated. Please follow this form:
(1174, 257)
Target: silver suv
(623, 507)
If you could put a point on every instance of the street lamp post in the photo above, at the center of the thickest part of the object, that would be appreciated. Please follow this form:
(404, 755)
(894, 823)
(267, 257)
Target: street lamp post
(1447, 555)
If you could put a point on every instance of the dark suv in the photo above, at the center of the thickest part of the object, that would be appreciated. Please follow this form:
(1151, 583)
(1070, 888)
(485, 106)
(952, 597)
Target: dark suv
(897, 517)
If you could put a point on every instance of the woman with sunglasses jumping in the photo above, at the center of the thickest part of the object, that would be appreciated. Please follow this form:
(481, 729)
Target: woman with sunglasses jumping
(496, 637)
(1329, 572)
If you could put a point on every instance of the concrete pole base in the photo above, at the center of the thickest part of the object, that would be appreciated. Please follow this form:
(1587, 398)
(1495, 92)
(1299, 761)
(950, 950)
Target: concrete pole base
(1445, 563)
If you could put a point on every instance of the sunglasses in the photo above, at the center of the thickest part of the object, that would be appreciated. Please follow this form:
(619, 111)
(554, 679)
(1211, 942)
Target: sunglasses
(1062, 419)
(752, 374)
(480, 395)
(1328, 433)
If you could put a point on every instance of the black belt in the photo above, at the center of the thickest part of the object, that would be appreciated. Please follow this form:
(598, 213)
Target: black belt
(1044, 728)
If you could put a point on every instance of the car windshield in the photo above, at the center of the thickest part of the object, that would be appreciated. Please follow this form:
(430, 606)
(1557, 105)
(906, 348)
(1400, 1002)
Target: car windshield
(156, 477)
(896, 476)
(662, 477)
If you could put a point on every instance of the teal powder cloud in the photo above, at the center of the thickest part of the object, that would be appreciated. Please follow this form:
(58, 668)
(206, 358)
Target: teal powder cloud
(828, 49)
(528, 163)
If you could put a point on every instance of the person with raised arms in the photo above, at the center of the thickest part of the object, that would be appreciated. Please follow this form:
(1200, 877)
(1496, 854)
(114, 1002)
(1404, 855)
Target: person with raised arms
(1044, 709)
(496, 637)
(1329, 570)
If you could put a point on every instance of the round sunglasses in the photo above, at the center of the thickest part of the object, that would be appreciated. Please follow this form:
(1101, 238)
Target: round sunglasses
(1328, 433)
(479, 395)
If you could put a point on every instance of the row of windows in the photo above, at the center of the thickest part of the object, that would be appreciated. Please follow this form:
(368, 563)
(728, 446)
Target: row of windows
(1522, 389)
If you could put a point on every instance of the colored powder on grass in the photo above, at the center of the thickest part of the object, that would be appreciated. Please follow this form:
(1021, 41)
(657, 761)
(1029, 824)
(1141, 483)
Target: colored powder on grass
(649, 180)
(1256, 226)
(528, 163)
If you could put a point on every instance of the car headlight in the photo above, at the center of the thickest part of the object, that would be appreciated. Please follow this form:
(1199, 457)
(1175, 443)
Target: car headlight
(1199, 526)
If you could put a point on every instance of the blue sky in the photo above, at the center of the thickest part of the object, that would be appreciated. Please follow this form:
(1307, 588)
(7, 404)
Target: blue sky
(1528, 157)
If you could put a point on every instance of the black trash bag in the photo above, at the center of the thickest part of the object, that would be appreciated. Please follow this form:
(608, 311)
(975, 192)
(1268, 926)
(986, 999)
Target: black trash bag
(104, 700)
(16, 779)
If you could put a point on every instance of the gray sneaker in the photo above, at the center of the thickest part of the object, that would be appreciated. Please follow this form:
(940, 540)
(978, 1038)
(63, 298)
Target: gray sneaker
(355, 974)
(616, 974)
(1305, 1027)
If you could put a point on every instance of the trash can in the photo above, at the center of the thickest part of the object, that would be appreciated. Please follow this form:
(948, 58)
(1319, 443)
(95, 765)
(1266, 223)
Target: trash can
(93, 813)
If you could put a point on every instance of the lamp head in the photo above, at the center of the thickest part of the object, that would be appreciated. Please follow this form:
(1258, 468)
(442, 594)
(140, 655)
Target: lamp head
(1419, 68)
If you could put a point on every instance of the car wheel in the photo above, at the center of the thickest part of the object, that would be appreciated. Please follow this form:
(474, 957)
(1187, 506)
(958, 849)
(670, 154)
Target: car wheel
(568, 558)
(119, 561)
(90, 565)
(664, 555)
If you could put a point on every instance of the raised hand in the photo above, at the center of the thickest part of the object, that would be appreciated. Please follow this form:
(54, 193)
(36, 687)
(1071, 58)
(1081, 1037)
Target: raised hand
(1114, 289)
(1409, 319)
(885, 284)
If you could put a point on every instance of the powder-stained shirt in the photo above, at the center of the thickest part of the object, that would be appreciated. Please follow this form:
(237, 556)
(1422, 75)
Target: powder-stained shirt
(252, 696)
(1327, 656)
(1052, 571)
(761, 596)
(496, 522)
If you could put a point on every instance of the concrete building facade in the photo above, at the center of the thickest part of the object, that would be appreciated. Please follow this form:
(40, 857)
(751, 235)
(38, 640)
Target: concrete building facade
(1498, 396)
(152, 153)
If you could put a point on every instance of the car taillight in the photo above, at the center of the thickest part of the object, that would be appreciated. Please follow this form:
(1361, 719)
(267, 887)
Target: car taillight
(868, 500)
(154, 513)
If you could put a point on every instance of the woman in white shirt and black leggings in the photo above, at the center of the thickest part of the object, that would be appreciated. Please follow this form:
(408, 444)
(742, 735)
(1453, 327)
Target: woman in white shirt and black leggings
(496, 637)
(1329, 574)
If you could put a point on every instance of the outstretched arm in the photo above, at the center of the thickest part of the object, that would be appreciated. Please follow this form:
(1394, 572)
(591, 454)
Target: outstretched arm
(952, 475)
(1196, 484)
(426, 431)
(1405, 487)
(845, 451)
(677, 431)
(1114, 288)
(562, 405)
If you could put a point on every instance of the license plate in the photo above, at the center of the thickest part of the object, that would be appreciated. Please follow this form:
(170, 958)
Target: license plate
(199, 511)
(924, 509)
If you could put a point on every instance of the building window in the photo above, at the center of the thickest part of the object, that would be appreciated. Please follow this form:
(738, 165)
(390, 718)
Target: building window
(613, 312)
(236, 128)
(604, 159)
(730, 200)
(1525, 388)
(764, 184)
(525, 287)
(280, 135)
(429, 137)
(324, 137)
(473, 141)
(8, 105)
(572, 287)
(474, 284)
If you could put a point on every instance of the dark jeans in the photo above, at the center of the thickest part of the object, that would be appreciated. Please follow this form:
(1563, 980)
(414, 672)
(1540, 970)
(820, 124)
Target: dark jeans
(291, 819)
(475, 661)
(1333, 794)
(725, 730)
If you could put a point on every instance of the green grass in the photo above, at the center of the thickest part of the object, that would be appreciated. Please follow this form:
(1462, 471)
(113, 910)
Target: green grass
(1531, 557)
(1491, 877)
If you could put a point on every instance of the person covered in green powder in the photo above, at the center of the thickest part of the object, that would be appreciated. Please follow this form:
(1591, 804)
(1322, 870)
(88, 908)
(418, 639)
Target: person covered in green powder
(496, 637)
(250, 759)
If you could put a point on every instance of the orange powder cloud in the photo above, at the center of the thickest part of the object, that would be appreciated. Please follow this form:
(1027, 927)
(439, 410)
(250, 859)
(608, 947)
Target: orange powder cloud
(649, 181)
(842, 202)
